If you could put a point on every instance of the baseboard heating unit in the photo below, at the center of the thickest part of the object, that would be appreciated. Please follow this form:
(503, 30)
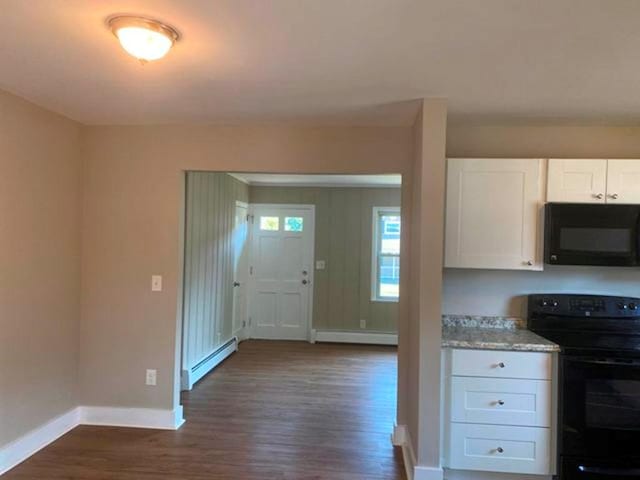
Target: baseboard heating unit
(190, 376)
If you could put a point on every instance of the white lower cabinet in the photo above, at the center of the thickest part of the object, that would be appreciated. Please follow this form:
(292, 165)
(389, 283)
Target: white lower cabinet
(497, 448)
(499, 419)
(501, 401)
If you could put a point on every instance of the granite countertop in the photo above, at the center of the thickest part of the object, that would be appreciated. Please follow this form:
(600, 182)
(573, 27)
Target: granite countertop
(492, 333)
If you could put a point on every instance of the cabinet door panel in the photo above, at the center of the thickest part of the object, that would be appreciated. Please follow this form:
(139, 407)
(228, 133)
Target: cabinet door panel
(577, 180)
(623, 181)
(501, 401)
(493, 213)
(523, 450)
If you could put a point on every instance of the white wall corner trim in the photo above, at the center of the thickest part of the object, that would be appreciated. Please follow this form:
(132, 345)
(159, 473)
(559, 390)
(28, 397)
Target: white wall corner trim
(334, 336)
(132, 417)
(22, 448)
(19, 450)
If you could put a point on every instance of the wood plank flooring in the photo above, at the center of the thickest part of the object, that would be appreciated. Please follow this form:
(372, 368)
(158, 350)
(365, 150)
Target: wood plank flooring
(272, 411)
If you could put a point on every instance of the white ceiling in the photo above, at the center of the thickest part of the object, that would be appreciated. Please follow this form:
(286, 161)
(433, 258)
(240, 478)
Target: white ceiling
(319, 180)
(354, 61)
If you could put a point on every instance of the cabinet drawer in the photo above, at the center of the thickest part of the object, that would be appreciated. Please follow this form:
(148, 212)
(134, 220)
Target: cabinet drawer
(501, 401)
(500, 364)
(499, 449)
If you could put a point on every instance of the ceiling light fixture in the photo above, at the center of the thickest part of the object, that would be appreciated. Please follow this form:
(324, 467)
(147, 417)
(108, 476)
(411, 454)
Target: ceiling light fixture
(143, 38)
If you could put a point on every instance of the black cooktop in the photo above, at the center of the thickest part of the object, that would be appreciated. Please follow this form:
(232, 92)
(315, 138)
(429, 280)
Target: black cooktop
(586, 322)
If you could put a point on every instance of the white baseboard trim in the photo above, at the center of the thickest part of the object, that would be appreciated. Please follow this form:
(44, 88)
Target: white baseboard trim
(354, 337)
(191, 376)
(19, 450)
(132, 417)
(427, 473)
(401, 438)
(22, 448)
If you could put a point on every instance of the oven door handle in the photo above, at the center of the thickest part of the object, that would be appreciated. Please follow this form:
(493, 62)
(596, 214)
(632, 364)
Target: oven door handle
(610, 472)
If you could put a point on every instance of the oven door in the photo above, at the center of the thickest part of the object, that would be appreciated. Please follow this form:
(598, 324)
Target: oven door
(586, 234)
(600, 417)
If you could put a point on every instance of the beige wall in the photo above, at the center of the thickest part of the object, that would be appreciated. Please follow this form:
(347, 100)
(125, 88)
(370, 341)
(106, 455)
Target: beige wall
(133, 179)
(426, 252)
(40, 265)
(495, 292)
(343, 239)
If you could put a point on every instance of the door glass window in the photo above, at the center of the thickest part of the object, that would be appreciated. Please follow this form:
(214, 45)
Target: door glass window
(293, 224)
(270, 223)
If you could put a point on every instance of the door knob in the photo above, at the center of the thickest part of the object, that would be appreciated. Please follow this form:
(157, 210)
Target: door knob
(304, 282)
(304, 272)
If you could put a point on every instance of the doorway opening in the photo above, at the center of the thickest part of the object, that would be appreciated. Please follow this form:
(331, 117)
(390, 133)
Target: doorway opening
(291, 290)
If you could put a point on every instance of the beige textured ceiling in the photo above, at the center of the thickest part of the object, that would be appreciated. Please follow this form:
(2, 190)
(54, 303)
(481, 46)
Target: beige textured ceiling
(317, 61)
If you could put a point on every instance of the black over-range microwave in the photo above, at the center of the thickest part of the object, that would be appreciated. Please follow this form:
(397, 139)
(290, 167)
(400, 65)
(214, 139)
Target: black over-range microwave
(592, 234)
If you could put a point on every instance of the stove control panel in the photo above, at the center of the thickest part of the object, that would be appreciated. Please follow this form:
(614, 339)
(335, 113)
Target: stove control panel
(583, 305)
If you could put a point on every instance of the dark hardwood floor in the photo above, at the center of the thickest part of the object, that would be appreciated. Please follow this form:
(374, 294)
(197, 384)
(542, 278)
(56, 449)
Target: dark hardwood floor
(274, 410)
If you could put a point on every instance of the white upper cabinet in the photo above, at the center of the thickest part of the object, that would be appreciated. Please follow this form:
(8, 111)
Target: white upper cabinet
(577, 181)
(493, 217)
(623, 181)
(593, 181)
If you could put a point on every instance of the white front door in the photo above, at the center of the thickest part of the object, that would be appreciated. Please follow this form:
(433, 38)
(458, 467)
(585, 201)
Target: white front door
(240, 269)
(281, 272)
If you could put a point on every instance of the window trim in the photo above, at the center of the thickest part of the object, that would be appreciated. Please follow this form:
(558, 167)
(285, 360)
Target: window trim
(376, 240)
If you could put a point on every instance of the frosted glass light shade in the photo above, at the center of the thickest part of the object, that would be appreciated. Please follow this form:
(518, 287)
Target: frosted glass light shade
(142, 38)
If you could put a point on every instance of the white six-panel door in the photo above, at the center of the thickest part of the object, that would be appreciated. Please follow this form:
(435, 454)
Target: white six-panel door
(280, 271)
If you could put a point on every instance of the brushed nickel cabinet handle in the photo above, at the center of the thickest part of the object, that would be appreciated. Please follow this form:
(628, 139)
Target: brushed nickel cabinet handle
(614, 196)
(599, 196)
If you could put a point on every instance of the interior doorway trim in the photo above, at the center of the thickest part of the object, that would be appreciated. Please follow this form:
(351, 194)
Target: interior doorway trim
(311, 209)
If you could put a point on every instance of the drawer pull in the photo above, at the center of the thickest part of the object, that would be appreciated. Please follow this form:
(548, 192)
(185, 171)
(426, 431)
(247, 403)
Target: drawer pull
(501, 365)
(500, 402)
(500, 450)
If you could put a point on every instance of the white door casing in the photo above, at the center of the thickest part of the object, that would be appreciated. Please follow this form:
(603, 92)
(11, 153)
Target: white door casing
(281, 271)
(240, 268)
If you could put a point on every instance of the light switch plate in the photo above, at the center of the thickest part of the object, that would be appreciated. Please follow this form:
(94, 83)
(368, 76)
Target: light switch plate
(320, 264)
(363, 323)
(152, 377)
(156, 283)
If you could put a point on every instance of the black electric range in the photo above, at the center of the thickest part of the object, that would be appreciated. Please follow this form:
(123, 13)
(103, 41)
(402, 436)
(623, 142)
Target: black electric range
(599, 382)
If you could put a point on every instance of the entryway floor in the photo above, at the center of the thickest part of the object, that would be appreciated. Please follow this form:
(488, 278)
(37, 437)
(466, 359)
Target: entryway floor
(272, 411)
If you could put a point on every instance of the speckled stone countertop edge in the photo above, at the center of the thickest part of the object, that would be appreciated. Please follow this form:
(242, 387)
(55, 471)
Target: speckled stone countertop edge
(476, 332)
(505, 346)
(482, 321)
